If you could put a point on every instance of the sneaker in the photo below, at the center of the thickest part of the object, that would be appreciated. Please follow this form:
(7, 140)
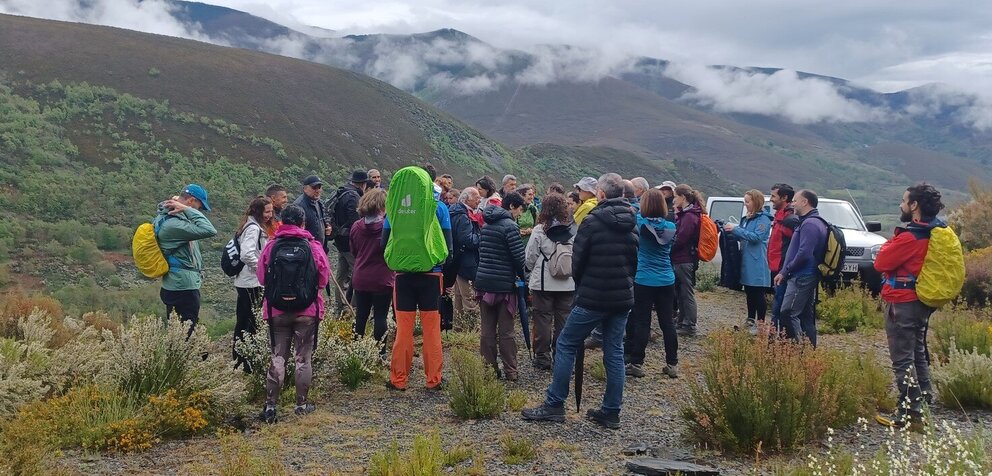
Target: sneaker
(511, 377)
(928, 398)
(634, 370)
(593, 343)
(686, 331)
(439, 386)
(390, 385)
(671, 371)
(305, 409)
(544, 413)
(542, 364)
(753, 330)
(269, 414)
(607, 420)
(912, 420)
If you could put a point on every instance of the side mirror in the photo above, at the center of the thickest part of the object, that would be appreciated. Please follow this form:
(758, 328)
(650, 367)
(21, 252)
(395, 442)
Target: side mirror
(874, 226)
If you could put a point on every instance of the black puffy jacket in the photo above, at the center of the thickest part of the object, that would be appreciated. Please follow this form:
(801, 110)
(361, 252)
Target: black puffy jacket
(604, 258)
(465, 234)
(501, 252)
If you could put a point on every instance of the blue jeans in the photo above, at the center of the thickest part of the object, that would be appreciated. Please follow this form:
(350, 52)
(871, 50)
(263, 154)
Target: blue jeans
(799, 307)
(777, 323)
(578, 326)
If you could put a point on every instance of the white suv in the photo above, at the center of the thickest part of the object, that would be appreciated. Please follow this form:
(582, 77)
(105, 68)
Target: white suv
(862, 241)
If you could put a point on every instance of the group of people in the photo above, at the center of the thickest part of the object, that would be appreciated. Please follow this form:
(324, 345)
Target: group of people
(591, 263)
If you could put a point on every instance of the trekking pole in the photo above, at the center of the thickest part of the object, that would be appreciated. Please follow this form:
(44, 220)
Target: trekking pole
(344, 296)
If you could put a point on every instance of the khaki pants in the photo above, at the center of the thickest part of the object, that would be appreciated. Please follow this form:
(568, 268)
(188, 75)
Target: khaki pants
(550, 310)
(301, 333)
(465, 296)
(497, 333)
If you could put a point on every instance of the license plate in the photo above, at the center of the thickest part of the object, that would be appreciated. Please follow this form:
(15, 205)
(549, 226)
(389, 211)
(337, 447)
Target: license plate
(850, 268)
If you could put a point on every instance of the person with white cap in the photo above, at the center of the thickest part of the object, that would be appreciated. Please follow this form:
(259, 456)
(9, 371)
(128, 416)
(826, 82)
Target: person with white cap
(668, 188)
(587, 194)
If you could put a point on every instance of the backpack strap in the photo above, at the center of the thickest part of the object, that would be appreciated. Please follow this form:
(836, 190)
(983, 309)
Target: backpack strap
(170, 254)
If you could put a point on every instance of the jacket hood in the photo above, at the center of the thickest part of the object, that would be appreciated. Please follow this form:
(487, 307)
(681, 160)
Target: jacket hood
(694, 209)
(373, 226)
(292, 231)
(656, 228)
(616, 214)
(493, 214)
(559, 232)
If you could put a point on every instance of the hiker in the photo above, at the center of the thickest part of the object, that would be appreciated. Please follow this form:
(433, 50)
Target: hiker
(372, 280)
(629, 192)
(528, 218)
(417, 239)
(640, 186)
(668, 188)
(375, 179)
(344, 216)
(509, 185)
(604, 261)
(451, 197)
(906, 317)
(501, 266)
(181, 224)
(783, 227)
(309, 201)
(445, 182)
(465, 235)
(654, 287)
(753, 234)
(293, 269)
(487, 187)
(555, 187)
(553, 294)
(251, 240)
(685, 259)
(586, 187)
(573, 204)
(279, 197)
(800, 271)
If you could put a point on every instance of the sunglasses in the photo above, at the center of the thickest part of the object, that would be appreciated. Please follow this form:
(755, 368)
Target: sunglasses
(316, 186)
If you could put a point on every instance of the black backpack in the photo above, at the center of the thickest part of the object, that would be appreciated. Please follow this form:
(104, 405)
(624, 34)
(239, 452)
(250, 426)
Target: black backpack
(230, 259)
(291, 276)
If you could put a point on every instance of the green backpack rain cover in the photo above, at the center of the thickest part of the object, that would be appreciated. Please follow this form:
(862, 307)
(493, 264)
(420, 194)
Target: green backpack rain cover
(416, 242)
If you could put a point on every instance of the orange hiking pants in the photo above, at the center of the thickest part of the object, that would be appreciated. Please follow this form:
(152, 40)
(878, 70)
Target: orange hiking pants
(415, 291)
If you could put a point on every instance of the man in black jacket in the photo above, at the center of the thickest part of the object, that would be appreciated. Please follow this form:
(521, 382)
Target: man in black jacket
(604, 262)
(310, 201)
(344, 215)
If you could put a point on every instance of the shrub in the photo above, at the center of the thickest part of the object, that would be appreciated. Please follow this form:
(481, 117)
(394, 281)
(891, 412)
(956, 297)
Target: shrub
(707, 278)
(474, 390)
(968, 328)
(110, 238)
(965, 380)
(849, 308)
(17, 304)
(517, 450)
(84, 252)
(776, 396)
(468, 340)
(973, 220)
(425, 459)
(356, 359)
(105, 269)
(238, 456)
(977, 289)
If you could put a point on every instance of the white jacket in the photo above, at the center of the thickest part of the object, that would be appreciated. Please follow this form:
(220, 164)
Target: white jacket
(252, 241)
(534, 261)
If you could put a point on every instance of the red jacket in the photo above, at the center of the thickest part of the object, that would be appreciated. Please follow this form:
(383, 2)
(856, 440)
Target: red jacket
(778, 243)
(901, 259)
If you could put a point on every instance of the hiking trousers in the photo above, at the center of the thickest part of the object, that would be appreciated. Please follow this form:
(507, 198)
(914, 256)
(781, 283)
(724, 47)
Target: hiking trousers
(551, 308)
(300, 332)
(376, 304)
(465, 296)
(685, 292)
(415, 291)
(906, 330)
(346, 265)
(186, 305)
(245, 323)
(647, 298)
(799, 307)
(497, 335)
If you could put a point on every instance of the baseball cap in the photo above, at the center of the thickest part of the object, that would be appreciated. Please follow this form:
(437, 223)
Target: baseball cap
(587, 184)
(667, 184)
(312, 180)
(198, 193)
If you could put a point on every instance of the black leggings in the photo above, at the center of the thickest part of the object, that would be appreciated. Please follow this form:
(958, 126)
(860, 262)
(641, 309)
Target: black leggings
(248, 299)
(757, 306)
(376, 304)
(647, 298)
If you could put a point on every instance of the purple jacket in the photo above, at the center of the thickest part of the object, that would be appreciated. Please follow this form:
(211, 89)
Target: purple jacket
(319, 258)
(686, 235)
(370, 275)
(809, 242)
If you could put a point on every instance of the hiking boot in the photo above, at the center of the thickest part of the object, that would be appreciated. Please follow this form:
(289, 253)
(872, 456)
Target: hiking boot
(914, 421)
(686, 331)
(634, 370)
(305, 409)
(671, 371)
(269, 414)
(439, 386)
(544, 413)
(753, 330)
(593, 343)
(541, 363)
(927, 397)
(607, 420)
(511, 377)
(390, 385)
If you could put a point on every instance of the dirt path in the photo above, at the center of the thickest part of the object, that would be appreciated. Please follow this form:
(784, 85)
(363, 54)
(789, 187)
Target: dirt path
(349, 427)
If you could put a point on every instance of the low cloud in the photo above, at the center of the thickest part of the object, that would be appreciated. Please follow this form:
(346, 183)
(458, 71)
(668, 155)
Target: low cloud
(783, 94)
(150, 16)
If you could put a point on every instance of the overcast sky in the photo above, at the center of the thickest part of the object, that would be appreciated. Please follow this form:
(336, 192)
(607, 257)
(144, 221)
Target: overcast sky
(885, 44)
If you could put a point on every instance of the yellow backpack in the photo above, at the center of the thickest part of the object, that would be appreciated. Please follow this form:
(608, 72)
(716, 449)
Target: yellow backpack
(942, 276)
(148, 256)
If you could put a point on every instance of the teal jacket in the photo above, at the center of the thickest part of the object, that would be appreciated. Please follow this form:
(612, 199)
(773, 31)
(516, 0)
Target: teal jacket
(753, 234)
(177, 236)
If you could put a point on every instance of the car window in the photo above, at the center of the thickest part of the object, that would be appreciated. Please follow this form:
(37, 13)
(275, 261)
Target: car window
(841, 214)
(727, 210)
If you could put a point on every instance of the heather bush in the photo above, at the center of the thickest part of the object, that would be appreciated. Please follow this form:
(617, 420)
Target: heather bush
(848, 309)
(776, 395)
(969, 328)
(977, 289)
(965, 379)
(707, 277)
(474, 390)
(356, 359)
(973, 220)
